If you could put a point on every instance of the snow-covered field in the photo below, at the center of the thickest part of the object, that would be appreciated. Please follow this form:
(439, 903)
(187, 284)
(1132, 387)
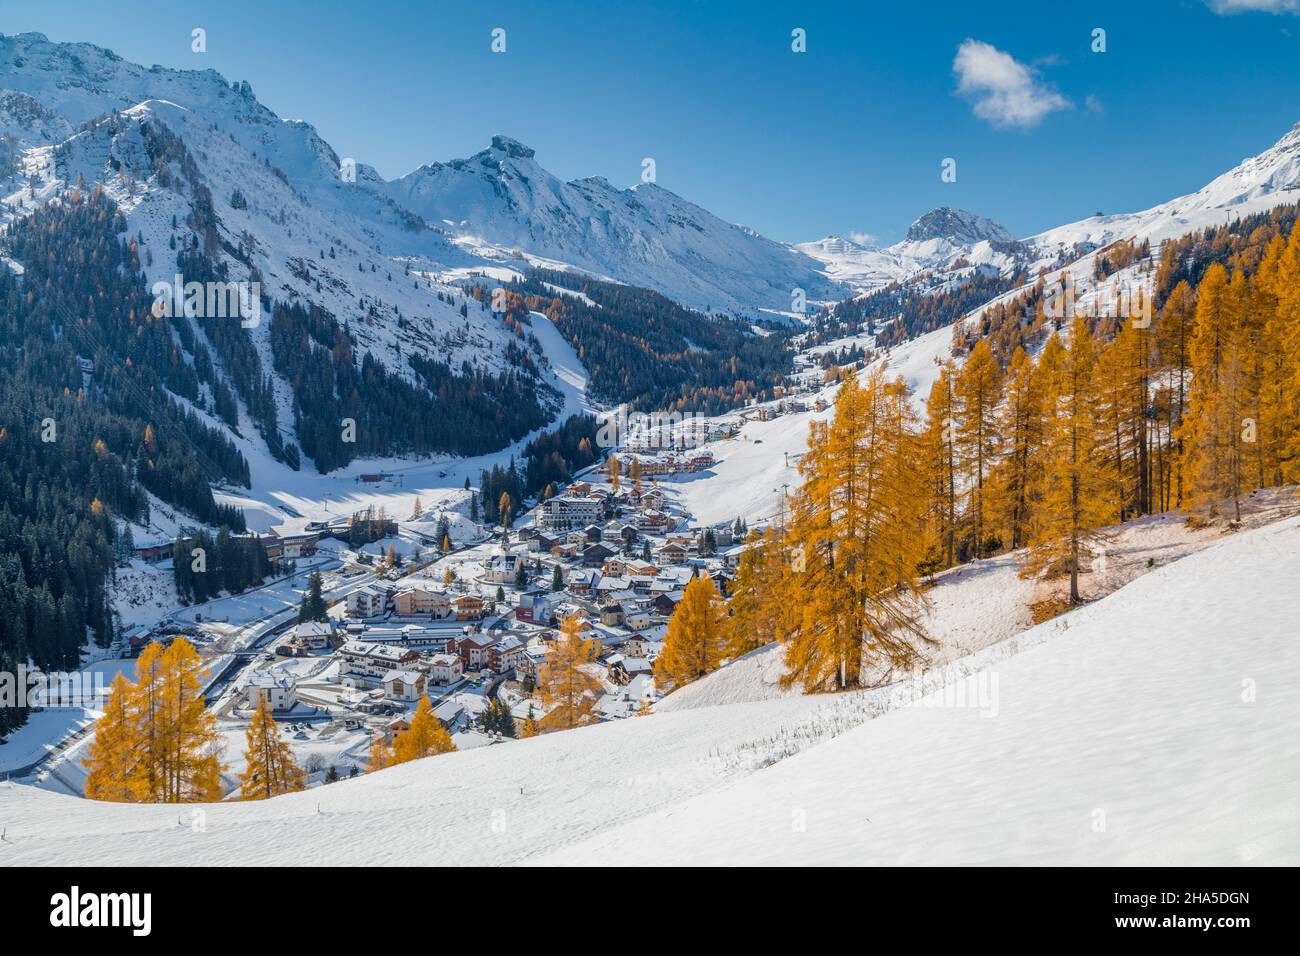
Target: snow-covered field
(1061, 748)
(751, 469)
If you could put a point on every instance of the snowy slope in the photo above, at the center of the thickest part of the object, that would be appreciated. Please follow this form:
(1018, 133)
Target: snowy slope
(1169, 706)
(644, 235)
(1154, 727)
(751, 469)
(1258, 183)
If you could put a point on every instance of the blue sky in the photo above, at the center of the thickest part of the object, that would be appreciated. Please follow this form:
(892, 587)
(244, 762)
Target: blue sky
(845, 138)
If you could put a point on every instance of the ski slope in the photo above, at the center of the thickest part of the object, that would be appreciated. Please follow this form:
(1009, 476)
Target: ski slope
(1154, 726)
(751, 469)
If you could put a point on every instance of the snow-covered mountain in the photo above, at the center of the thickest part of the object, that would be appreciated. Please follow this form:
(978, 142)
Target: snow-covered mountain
(384, 256)
(77, 111)
(945, 238)
(500, 206)
(1259, 182)
(502, 200)
(941, 240)
(956, 226)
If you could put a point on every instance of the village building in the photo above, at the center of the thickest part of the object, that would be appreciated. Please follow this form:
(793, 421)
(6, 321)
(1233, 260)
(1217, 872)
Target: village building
(530, 664)
(731, 556)
(653, 521)
(369, 601)
(501, 568)
(628, 701)
(312, 635)
(635, 646)
(273, 546)
(505, 655)
(582, 581)
(611, 585)
(534, 609)
(596, 555)
(415, 602)
(295, 546)
(446, 669)
(641, 583)
(423, 638)
(404, 684)
(541, 543)
(468, 608)
(636, 619)
(155, 552)
(370, 661)
(622, 668)
(565, 512)
(450, 714)
(651, 498)
(473, 650)
(666, 602)
(671, 553)
(279, 691)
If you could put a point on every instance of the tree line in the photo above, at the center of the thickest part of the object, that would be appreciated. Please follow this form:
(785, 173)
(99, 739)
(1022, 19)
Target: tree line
(344, 410)
(1110, 420)
(203, 566)
(643, 349)
(87, 424)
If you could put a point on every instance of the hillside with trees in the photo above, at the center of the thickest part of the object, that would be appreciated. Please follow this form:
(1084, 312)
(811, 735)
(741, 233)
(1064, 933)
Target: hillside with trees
(643, 349)
(1111, 419)
(88, 423)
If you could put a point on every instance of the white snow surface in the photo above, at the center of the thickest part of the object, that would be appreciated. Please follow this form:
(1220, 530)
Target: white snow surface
(1153, 726)
(502, 198)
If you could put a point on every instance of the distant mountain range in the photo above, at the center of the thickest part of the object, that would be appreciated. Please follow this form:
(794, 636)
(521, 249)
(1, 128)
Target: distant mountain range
(384, 255)
(940, 239)
(499, 207)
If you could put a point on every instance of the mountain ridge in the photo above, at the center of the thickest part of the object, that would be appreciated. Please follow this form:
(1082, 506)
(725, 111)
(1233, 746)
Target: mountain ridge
(652, 238)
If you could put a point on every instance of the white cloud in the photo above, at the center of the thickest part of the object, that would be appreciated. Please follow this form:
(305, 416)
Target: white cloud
(862, 238)
(1254, 6)
(1005, 91)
